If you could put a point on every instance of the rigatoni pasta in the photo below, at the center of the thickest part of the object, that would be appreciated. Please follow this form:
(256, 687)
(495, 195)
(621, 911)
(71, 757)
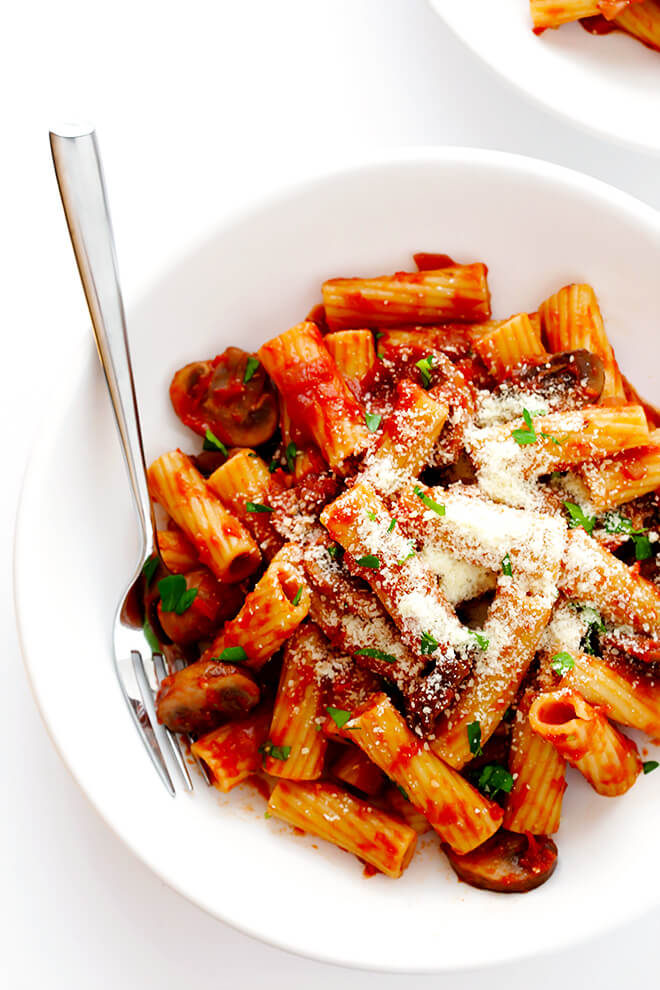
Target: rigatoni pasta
(326, 810)
(222, 543)
(433, 541)
(638, 18)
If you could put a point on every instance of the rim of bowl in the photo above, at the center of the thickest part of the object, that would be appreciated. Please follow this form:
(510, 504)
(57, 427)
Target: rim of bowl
(582, 123)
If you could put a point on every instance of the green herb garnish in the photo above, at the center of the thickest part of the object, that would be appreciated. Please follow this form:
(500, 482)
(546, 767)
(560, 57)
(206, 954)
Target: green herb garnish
(175, 595)
(371, 515)
(578, 518)
(291, 453)
(402, 792)
(474, 738)
(391, 525)
(276, 752)
(150, 568)
(370, 561)
(614, 522)
(373, 421)
(527, 434)
(232, 654)
(429, 502)
(595, 625)
(482, 641)
(429, 644)
(425, 366)
(561, 663)
(506, 566)
(650, 765)
(298, 595)
(211, 442)
(257, 507)
(367, 651)
(151, 637)
(250, 368)
(494, 779)
(335, 551)
(339, 716)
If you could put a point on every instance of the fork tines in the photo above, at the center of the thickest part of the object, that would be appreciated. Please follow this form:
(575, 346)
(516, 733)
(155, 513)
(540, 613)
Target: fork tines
(161, 740)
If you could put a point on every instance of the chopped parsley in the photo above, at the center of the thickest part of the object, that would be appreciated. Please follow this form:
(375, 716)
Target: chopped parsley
(371, 515)
(373, 421)
(150, 568)
(250, 368)
(257, 507)
(370, 561)
(650, 765)
(233, 654)
(291, 453)
(578, 518)
(429, 644)
(527, 434)
(506, 566)
(402, 792)
(643, 548)
(151, 637)
(276, 752)
(367, 651)
(425, 366)
(595, 625)
(474, 738)
(494, 779)
(335, 551)
(404, 559)
(298, 595)
(429, 502)
(175, 595)
(274, 465)
(561, 663)
(339, 716)
(614, 522)
(211, 442)
(482, 641)
(391, 525)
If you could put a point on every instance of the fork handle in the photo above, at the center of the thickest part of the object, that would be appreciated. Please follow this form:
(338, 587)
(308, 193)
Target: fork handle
(80, 178)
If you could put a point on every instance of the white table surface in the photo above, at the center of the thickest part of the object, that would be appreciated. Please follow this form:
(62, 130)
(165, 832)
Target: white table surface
(201, 106)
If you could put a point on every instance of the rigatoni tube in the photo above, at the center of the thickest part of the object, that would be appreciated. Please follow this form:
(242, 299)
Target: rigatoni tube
(333, 814)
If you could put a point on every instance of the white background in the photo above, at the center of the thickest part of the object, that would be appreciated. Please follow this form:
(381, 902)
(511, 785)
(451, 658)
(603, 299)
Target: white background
(200, 106)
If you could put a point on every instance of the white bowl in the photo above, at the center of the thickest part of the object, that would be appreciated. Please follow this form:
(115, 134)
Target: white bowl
(609, 85)
(537, 226)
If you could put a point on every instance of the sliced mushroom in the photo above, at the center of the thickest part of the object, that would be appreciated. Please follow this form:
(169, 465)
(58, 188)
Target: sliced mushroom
(508, 863)
(213, 604)
(577, 376)
(213, 395)
(199, 697)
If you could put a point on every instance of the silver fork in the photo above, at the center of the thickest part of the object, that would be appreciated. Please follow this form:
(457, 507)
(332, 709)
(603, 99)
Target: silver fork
(139, 669)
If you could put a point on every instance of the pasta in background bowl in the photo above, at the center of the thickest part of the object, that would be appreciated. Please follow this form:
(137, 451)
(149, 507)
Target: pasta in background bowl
(538, 227)
(609, 84)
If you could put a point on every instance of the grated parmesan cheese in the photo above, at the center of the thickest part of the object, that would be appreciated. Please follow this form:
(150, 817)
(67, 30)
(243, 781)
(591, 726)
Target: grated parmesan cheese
(460, 580)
